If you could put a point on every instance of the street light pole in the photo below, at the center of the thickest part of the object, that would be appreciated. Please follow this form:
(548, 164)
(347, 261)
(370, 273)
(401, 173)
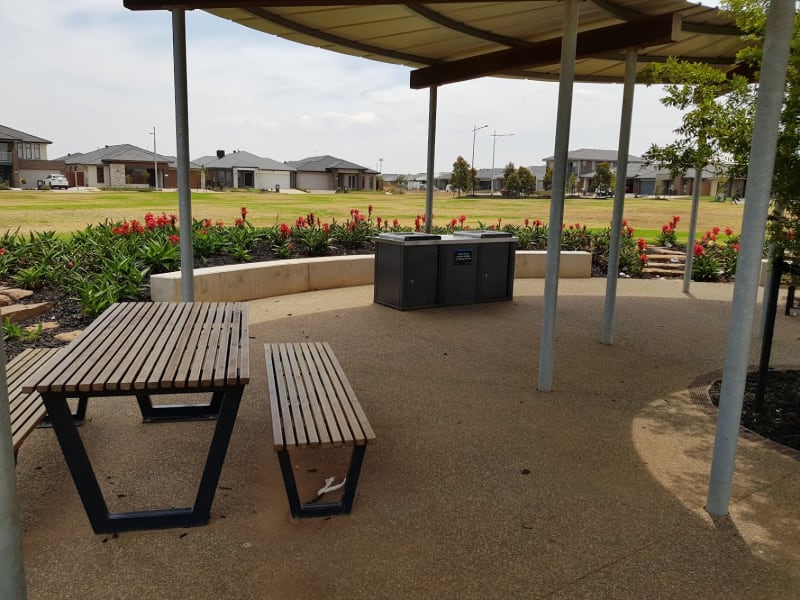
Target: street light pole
(496, 135)
(155, 160)
(475, 130)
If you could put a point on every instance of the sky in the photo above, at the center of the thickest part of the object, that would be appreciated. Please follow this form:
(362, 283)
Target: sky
(89, 73)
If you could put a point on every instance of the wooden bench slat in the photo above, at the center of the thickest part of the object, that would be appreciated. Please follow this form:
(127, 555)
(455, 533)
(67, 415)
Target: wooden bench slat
(361, 417)
(307, 398)
(338, 422)
(272, 388)
(314, 396)
(242, 324)
(26, 409)
(290, 400)
(325, 414)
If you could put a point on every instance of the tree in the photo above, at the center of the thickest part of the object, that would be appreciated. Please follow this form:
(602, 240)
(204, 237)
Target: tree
(513, 184)
(401, 181)
(509, 169)
(461, 177)
(572, 183)
(547, 180)
(602, 177)
(527, 181)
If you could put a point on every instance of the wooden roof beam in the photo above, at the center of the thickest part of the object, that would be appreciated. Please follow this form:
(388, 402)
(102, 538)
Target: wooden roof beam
(652, 31)
(210, 4)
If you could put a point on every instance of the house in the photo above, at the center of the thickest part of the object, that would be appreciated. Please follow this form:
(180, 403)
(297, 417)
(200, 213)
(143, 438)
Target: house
(241, 169)
(121, 166)
(23, 158)
(325, 173)
(583, 165)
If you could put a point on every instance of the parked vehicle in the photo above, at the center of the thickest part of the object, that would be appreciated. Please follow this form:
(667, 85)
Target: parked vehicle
(56, 181)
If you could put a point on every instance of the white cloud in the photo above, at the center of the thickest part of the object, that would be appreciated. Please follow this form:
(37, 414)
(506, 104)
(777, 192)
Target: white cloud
(93, 73)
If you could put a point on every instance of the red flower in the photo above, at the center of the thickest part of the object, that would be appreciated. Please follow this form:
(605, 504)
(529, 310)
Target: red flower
(369, 209)
(285, 230)
(461, 219)
(675, 219)
(380, 220)
(395, 223)
(174, 239)
(728, 231)
(527, 223)
(643, 258)
(453, 223)
(2, 251)
(326, 228)
(699, 250)
(244, 212)
(641, 244)
(735, 247)
(239, 222)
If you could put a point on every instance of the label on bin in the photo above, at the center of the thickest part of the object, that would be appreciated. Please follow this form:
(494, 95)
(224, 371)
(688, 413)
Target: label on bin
(462, 256)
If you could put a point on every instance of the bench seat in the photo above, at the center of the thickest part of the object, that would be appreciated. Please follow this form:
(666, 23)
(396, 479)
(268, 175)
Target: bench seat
(313, 405)
(27, 409)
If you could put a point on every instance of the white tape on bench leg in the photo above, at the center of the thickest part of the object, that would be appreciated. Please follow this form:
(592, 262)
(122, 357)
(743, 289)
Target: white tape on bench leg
(330, 488)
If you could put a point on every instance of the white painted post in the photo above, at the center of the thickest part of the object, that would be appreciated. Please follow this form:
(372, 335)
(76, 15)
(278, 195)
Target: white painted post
(566, 83)
(780, 23)
(12, 570)
(687, 270)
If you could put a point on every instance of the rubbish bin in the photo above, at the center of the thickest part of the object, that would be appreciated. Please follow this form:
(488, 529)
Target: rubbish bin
(478, 268)
(406, 270)
(277, 187)
(40, 184)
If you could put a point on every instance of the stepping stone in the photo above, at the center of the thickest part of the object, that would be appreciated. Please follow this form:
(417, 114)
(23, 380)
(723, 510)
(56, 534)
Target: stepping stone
(20, 312)
(45, 326)
(68, 336)
(15, 294)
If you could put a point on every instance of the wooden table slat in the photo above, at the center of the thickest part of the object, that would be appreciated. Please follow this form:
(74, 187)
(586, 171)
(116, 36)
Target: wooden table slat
(89, 359)
(173, 369)
(206, 347)
(323, 414)
(234, 350)
(118, 374)
(55, 369)
(183, 367)
(181, 315)
(242, 330)
(216, 373)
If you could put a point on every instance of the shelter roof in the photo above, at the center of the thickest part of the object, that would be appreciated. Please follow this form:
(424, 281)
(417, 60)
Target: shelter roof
(593, 154)
(448, 41)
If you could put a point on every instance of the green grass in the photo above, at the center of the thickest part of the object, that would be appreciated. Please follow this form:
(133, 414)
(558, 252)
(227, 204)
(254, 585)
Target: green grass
(65, 212)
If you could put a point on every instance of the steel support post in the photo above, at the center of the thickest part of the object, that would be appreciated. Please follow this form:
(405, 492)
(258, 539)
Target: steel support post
(626, 118)
(566, 83)
(182, 140)
(432, 103)
(780, 23)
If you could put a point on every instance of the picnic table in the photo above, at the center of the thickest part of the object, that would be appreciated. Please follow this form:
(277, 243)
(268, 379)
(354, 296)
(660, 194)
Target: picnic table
(140, 349)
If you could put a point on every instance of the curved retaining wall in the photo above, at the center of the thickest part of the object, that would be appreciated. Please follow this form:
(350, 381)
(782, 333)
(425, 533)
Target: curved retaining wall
(250, 281)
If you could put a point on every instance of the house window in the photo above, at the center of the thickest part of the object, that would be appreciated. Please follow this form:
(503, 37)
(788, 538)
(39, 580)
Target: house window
(36, 152)
(101, 177)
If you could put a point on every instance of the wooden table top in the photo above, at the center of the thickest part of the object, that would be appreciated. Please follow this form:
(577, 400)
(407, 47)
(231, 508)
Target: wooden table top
(153, 346)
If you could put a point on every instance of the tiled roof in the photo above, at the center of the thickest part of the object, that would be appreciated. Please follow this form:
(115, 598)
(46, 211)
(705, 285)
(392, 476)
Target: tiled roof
(595, 154)
(7, 133)
(326, 163)
(123, 153)
(241, 159)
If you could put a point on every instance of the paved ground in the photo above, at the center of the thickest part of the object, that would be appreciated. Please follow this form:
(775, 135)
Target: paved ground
(479, 487)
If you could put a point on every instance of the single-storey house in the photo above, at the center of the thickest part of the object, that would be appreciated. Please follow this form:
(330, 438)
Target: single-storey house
(241, 169)
(23, 159)
(326, 173)
(123, 166)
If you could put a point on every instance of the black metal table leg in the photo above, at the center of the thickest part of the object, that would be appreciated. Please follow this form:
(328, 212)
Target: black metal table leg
(92, 496)
(178, 412)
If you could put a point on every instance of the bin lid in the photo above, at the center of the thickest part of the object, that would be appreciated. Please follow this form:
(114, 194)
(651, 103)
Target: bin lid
(407, 236)
(482, 233)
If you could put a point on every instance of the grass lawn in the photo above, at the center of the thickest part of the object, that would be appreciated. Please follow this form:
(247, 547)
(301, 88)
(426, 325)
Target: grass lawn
(68, 211)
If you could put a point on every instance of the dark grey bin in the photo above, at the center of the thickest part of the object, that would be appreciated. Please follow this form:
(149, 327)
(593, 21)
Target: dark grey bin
(494, 259)
(406, 270)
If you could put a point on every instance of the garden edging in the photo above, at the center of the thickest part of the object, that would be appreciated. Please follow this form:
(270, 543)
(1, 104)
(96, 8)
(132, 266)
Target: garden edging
(251, 281)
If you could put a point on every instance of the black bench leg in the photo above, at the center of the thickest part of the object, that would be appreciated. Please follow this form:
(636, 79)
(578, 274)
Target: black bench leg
(789, 300)
(313, 509)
